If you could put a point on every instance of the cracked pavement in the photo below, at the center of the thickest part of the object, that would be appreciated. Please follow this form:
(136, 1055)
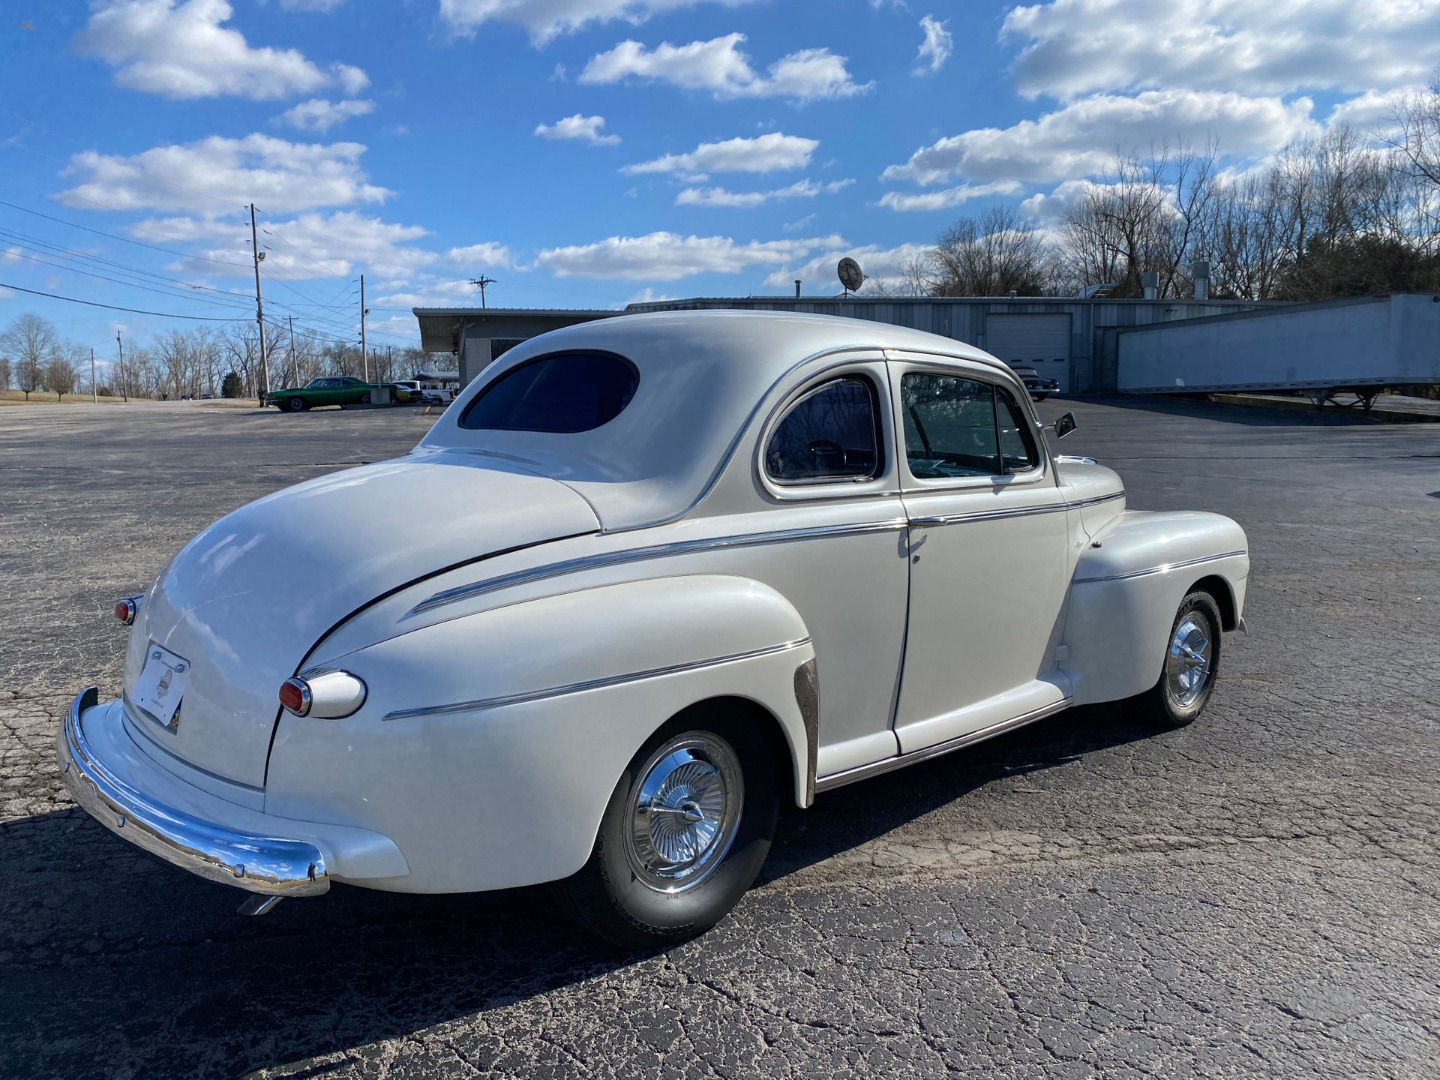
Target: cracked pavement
(1255, 895)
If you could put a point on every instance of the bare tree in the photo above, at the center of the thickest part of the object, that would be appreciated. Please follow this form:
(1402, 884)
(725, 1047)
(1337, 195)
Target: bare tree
(995, 254)
(1418, 119)
(1147, 216)
(59, 374)
(30, 341)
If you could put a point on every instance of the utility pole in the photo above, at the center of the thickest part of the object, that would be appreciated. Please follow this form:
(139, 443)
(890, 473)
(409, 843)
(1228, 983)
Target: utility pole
(94, 395)
(294, 371)
(480, 283)
(389, 364)
(124, 389)
(259, 309)
(364, 353)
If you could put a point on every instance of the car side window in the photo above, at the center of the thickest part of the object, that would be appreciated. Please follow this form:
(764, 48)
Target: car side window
(1017, 444)
(831, 434)
(949, 426)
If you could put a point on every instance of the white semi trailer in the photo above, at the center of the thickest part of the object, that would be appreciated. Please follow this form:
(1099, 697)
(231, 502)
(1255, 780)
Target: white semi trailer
(1357, 346)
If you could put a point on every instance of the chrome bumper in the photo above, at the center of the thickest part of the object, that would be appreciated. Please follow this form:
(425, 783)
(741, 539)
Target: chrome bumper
(259, 864)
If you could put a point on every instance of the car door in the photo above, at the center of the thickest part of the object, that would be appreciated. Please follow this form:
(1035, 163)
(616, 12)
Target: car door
(988, 542)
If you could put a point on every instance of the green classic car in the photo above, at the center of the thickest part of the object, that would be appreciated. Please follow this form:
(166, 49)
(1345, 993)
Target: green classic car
(331, 390)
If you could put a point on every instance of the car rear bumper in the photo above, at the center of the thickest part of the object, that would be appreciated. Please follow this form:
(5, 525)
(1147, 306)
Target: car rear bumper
(251, 861)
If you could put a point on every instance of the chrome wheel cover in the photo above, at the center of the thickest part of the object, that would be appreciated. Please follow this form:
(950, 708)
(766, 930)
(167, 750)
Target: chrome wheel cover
(685, 811)
(1188, 663)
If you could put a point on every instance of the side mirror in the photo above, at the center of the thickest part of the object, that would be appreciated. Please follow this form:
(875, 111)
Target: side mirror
(1065, 425)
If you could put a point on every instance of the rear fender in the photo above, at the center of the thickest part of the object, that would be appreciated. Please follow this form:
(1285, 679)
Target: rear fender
(489, 745)
(1128, 585)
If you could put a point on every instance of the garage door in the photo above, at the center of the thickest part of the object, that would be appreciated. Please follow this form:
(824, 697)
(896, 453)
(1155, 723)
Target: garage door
(1038, 341)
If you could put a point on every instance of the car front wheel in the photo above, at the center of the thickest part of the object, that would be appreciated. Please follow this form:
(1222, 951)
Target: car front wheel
(684, 834)
(1192, 664)
(296, 404)
(364, 399)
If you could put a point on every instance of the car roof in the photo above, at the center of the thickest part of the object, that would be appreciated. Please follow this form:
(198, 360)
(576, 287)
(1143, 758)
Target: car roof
(703, 377)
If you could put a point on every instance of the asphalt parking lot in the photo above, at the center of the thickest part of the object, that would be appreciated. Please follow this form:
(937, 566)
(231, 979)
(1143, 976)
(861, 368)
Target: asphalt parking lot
(1253, 896)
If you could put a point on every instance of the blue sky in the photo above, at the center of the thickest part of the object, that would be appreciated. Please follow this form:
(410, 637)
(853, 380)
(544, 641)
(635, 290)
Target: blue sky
(585, 153)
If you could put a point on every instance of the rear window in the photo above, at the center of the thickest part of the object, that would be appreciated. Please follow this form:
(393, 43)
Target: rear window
(561, 395)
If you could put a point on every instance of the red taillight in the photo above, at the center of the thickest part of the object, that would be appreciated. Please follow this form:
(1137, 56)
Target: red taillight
(125, 611)
(295, 696)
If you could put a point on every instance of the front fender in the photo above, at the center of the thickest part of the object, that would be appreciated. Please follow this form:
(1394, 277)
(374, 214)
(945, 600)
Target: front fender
(489, 745)
(1129, 583)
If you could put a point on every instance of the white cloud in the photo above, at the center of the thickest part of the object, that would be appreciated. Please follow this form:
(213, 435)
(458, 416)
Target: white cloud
(665, 256)
(323, 6)
(181, 49)
(1373, 111)
(215, 174)
(10, 255)
(648, 295)
(1081, 138)
(548, 19)
(318, 114)
(774, 152)
(485, 256)
(1077, 46)
(939, 43)
(879, 264)
(309, 245)
(796, 226)
(717, 196)
(722, 68)
(586, 128)
(950, 197)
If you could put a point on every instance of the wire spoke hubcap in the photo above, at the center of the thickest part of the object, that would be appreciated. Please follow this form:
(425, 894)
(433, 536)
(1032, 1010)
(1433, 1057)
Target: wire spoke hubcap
(1188, 663)
(686, 811)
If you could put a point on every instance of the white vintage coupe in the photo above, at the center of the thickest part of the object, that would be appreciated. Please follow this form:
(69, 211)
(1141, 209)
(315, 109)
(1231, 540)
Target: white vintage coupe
(646, 578)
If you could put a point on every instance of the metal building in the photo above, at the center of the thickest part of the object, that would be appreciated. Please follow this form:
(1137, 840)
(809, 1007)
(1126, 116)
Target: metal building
(1070, 340)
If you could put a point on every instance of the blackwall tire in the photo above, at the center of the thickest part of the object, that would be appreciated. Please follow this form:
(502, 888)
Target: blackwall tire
(364, 399)
(1191, 666)
(297, 404)
(659, 876)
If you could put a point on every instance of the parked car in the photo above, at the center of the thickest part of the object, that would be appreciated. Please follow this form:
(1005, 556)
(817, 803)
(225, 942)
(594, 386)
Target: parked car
(407, 391)
(646, 578)
(339, 390)
(1038, 386)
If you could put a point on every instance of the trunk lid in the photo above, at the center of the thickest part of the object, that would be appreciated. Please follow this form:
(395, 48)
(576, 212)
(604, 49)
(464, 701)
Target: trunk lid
(245, 600)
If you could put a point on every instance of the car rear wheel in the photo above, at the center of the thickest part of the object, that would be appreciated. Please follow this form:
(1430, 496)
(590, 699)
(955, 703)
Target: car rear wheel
(297, 404)
(364, 399)
(1192, 664)
(684, 834)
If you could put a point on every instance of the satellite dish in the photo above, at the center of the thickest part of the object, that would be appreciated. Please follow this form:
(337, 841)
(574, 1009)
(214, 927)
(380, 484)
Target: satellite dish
(851, 276)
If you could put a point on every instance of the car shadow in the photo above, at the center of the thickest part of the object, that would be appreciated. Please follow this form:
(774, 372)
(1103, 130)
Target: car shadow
(113, 963)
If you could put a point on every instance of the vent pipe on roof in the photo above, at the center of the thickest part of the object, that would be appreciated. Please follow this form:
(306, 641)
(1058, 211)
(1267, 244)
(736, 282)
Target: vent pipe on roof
(797, 288)
(1150, 281)
(1200, 272)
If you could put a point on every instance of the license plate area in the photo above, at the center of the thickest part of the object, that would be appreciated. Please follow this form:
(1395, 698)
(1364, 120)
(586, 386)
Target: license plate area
(161, 685)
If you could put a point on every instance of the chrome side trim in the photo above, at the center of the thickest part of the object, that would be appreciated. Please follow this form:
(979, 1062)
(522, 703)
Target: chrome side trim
(1015, 511)
(644, 554)
(259, 864)
(1074, 459)
(864, 772)
(991, 515)
(1162, 569)
(482, 704)
(1098, 499)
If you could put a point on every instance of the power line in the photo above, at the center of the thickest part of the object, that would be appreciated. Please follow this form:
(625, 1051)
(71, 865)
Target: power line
(115, 307)
(115, 236)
